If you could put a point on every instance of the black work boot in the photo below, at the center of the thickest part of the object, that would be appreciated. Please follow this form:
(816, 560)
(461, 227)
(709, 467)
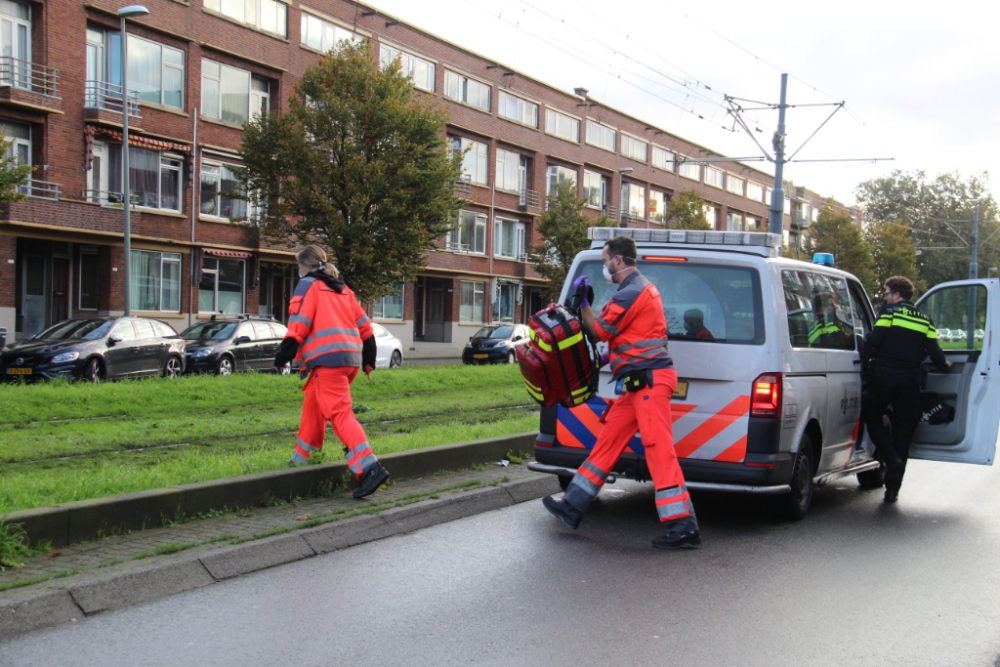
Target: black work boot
(688, 539)
(568, 514)
(891, 495)
(371, 480)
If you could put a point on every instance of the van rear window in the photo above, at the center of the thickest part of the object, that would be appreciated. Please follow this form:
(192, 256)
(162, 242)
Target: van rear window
(709, 303)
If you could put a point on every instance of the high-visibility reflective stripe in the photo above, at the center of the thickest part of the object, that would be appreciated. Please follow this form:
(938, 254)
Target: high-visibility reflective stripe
(670, 494)
(363, 320)
(581, 390)
(590, 467)
(537, 395)
(360, 458)
(884, 321)
(653, 342)
(571, 341)
(932, 333)
(909, 324)
(335, 331)
(673, 511)
(541, 343)
(300, 319)
(305, 445)
(332, 347)
(607, 326)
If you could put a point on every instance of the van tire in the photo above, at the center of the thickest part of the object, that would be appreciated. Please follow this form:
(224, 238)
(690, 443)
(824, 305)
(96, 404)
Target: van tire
(796, 504)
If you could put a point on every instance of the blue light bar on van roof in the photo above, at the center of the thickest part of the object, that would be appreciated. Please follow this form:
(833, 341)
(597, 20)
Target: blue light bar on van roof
(687, 236)
(824, 258)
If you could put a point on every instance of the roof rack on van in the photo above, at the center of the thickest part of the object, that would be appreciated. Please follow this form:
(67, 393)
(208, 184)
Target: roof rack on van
(760, 243)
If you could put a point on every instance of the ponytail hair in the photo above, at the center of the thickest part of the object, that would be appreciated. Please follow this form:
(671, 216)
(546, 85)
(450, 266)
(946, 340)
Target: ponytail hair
(313, 258)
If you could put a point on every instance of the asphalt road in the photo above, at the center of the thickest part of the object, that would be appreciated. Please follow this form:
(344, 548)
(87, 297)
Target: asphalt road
(857, 582)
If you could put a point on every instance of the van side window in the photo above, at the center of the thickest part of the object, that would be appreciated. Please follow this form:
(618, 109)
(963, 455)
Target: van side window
(860, 309)
(959, 316)
(819, 311)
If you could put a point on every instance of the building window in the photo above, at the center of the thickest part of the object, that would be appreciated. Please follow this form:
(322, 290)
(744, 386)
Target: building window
(558, 174)
(805, 213)
(690, 170)
(154, 177)
(508, 238)
(600, 135)
(463, 89)
(634, 199)
(734, 222)
(418, 70)
(657, 205)
(518, 110)
(226, 92)
(663, 159)
(472, 298)
(156, 281)
(788, 206)
(469, 235)
(16, 43)
(19, 136)
(88, 278)
(710, 215)
(221, 286)
(156, 72)
(734, 184)
(633, 148)
(323, 35)
(755, 191)
(512, 171)
(503, 307)
(815, 214)
(266, 15)
(751, 224)
(219, 185)
(595, 189)
(474, 158)
(389, 307)
(714, 177)
(561, 125)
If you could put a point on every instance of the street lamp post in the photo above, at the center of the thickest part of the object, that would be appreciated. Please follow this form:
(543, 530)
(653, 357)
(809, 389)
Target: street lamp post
(621, 186)
(124, 13)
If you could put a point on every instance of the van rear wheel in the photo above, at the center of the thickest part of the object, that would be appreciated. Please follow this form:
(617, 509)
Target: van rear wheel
(796, 503)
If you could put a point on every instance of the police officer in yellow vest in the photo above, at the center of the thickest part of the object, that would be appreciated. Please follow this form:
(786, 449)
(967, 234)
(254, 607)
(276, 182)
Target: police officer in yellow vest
(900, 340)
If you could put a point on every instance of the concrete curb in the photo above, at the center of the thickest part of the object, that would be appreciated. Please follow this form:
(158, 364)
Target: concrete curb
(54, 607)
(83, 520)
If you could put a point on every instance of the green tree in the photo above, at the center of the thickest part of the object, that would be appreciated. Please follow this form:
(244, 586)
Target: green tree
(12, 174)
(938, 213)
(893, 254)
(686, 210)
(358, 164)
(563, 228)
(837, 234)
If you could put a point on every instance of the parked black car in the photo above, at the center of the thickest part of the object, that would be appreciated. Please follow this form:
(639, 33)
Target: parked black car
(96, 349)
(495, 344)
(222, 345)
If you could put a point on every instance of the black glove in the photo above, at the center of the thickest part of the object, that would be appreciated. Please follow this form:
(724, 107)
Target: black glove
(286, 352)
(369, 350)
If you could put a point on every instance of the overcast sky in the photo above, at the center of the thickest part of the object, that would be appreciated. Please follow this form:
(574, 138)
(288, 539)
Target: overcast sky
(921, 81)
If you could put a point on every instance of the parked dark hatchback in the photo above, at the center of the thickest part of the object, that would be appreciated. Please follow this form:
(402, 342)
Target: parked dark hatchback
(95, 349)
(224, 345)
(495, 344)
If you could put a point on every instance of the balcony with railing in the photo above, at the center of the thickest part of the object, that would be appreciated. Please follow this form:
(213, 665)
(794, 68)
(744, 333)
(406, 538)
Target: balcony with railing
(103, 102)
(463, 187)
(457, 247)
(29, 85)
(39, 189)
(530, 200)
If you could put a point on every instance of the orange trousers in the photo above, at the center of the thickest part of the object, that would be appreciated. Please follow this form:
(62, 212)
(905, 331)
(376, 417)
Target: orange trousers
(328, 399)
(648, 411)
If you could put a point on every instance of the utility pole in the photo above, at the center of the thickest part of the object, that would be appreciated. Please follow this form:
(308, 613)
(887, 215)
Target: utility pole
(778, 142)
(974, 264)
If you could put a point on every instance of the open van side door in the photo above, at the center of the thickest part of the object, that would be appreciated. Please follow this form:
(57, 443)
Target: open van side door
(966, 315)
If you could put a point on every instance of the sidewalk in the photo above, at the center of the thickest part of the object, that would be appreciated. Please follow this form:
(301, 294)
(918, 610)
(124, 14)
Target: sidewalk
(118, 571)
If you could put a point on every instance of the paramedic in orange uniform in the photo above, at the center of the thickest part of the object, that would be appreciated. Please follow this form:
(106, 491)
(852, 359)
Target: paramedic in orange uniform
(332, 337)
(634, 326)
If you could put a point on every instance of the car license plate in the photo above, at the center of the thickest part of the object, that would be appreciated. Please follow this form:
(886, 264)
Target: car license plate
(482, 356)
(681, 390)
(18, 371)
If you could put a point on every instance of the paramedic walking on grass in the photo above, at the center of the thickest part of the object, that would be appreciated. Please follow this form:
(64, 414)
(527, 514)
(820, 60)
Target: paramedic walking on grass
(634, 326)
(333, 338)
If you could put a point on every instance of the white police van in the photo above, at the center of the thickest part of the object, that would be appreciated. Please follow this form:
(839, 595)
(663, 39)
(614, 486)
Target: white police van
(766, 350)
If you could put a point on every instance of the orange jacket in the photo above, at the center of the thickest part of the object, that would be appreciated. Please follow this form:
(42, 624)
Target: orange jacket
(328, 325)
(634, 325)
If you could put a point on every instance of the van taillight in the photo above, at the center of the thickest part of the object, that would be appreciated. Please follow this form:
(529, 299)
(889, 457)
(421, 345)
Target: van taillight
(765, 398)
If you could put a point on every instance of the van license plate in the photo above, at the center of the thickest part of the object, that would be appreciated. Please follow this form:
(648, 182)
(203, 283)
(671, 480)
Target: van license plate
(18, 371)
(482, 356)
(681, 390)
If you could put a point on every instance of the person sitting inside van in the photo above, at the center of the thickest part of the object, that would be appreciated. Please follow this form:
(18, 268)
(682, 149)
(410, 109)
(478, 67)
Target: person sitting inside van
(829, 331)
(694, 324)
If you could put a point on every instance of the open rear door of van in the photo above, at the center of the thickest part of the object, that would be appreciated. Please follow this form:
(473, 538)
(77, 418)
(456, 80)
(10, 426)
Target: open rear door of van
(966, 315)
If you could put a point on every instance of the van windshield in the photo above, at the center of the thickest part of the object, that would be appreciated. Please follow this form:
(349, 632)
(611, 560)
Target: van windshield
(703, 302)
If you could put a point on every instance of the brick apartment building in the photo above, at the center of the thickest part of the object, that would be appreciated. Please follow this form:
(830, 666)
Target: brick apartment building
(199, 69)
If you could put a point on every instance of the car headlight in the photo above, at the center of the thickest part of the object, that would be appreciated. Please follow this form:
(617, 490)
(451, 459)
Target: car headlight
(468, 346)
(203, 352)
(65, 356)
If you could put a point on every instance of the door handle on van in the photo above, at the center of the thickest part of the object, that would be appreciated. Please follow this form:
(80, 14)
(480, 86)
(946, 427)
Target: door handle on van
(857, 362)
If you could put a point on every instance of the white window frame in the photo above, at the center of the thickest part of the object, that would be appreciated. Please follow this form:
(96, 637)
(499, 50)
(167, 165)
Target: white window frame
(164, 66)
(601, 135)
(627, 204)
(595, 189)
(525, 111)
(215, 295)
(663, 159)
(496, 315)
(329, 34)
(20, 33)
(262, 97)
(410, 66)
(506, 162)
(475, 245)
(635, 148)
(99, 178)
(555, 173)
(661, 199)
(475, 158)
(735, 184)
(715, 177)
(219, 165)
(379, 306)
(755, 191)
(518, 250)
(478, 294)
(691, 170)
(562, 125)
(711, 215)
(734, 222)
(788, 206)
(165, 258)
(461, 88)
(253, 13)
